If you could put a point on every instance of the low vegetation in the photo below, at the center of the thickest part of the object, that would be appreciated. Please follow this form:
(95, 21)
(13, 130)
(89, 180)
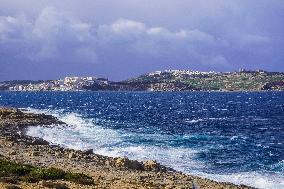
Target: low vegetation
(233, 81)
(12, 172)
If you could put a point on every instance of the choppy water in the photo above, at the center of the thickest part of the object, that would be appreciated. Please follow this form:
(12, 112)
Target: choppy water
(233, 137)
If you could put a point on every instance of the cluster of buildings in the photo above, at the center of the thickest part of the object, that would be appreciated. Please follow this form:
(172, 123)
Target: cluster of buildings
(182, 72)
(66, 84)
(192, 73)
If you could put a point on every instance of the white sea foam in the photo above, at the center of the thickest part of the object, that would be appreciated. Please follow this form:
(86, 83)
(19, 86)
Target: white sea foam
(84, 134)
(193, 120)
(254, 179)
(80, 134)
(177, 158)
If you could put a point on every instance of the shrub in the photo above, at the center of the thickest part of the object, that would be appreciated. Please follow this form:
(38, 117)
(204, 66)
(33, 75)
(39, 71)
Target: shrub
(29, 173)
(79, 178)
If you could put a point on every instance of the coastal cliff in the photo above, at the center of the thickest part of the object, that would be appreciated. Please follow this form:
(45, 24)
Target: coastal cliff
(52, 166)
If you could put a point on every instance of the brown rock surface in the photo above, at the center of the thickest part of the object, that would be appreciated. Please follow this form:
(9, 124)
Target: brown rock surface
(13, 116)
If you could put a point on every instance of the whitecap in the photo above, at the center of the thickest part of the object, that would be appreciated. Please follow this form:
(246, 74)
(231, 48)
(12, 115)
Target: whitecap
(233, 137)
(193, 120)
(254, 179)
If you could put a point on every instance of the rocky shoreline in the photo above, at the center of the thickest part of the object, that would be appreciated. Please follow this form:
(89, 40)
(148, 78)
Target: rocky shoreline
(106, 172)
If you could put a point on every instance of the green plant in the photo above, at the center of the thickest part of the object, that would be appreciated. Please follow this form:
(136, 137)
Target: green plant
(29, 173)
(79, 178)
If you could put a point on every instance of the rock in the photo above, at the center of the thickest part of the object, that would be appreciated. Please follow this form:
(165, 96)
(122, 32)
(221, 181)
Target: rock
(107, 163)
(50, 151)
(12, 187)
(13, 153)
(35, 153)
(169, 187)
(58, 154)
(130, 164)
(50, 184)
(10, 180)
(120, 162)
(39, 141)
(136, 165)
(142, 177)
(195, 186)
(15, 117)
(9, 111)
(88, 152)
(72, 155)
(151, 165)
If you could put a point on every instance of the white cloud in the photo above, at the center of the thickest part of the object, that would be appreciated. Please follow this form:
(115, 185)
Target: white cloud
(199, 36)
(61, 35)
(12, 29)
(53, 35)
(52, 23)
(123, 26)
(206, 36)
(137, 37)
(57, 36)
(188, 34)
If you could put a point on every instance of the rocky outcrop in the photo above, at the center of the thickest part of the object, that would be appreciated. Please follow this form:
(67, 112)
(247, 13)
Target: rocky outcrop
(15, 117)
(151, 165)
(13, 123)
(127, 163)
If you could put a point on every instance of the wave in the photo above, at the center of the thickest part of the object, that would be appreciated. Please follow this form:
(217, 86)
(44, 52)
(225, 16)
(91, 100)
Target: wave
(206, 119)
(254, 179)
(83, 133)
(193, 120)
(80, 134)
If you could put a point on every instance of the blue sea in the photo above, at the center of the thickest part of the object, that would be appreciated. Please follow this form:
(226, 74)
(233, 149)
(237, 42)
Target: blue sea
(232, 137)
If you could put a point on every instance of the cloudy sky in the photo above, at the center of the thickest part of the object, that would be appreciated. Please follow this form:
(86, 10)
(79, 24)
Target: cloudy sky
(118, 39)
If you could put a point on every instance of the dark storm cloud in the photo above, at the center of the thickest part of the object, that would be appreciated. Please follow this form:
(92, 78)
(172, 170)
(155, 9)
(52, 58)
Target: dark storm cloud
(120, 39)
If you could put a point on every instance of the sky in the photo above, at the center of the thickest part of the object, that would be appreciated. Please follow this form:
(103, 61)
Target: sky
(42, 39)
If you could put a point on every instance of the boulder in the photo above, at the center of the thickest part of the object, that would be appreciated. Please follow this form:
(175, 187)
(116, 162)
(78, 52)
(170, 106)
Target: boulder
(151, 165)
(72, 155)
(129, 164)
(13, 153)
(33, 153)
(39, 141)
(120, 162)
(88, 152)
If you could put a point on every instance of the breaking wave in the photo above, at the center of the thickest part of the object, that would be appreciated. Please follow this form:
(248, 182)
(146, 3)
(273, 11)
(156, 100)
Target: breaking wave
(83, 133)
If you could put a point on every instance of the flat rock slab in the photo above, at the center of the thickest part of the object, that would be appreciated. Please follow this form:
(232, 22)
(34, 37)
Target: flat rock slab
(15, 117)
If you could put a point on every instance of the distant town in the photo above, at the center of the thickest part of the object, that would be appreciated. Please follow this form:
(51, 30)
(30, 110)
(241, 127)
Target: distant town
(168, 80)
(66, 84)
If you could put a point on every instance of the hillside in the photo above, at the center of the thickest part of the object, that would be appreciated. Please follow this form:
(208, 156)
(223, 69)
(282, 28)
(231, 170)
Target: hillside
(212, 81)
(4, 85)
(168, 80)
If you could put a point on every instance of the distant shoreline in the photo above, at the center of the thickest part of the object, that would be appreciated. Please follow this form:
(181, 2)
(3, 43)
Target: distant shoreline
(111, 91)
(168, 80)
